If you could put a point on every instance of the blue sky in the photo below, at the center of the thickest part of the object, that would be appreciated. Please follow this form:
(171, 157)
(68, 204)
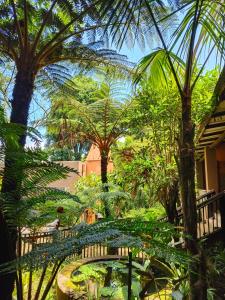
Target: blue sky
(135, 54)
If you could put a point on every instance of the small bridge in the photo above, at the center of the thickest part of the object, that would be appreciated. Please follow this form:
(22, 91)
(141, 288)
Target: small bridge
(98, 250)
(210, 226)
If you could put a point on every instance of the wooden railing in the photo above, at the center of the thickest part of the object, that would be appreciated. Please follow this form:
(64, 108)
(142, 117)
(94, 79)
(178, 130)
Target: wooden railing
(210, 214)
(204, 197)
(30, 241)
(200, 200)
(102, 250)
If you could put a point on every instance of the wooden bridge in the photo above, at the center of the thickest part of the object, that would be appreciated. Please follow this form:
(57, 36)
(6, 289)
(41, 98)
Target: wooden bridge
(210, 226)
(98, 250)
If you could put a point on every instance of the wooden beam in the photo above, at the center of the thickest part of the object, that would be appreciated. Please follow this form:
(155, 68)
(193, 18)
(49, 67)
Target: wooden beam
(216, 121)
(219, 140)
(218, 114)
(211, 134)
(209, 137)
(215, 125)
(215, 129)
(199, 149)
(205, 143)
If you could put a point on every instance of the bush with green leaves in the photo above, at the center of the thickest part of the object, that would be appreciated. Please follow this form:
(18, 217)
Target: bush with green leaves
(46, 259)
(35, 174)
(147, 214)
(215, 260)
(150, 237)
(91, 193)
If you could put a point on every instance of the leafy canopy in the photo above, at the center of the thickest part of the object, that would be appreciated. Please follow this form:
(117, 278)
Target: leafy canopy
(101, 122)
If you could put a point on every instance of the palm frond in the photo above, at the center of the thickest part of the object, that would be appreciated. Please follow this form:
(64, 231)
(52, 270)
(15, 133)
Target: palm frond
(150, 237)
(156, 67)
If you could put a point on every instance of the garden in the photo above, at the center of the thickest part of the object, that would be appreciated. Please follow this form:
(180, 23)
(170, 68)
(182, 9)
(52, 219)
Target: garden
(112, 150)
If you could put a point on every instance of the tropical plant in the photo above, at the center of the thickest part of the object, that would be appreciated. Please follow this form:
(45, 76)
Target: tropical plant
(101, 123)
(115, 201)
(28, 212)
(196, 34)
(37, 36)
(90, 181)
(37, 173)
(138, 171)
(215, 271)
(83, 88)
(145, 278)
(152, 147)
(201, 28)
(150, 237)
(9, 135)
(153, 213)
(133, 166)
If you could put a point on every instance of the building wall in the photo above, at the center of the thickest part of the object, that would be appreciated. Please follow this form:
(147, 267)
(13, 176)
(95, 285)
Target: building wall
(220, 157)
(93, 162)
(92, 165)
(220, 152)
(213, 175)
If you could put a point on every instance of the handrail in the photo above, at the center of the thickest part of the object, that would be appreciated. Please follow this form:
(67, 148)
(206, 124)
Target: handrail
(212, 199)
(209, 197)
(43, 233)
(207, 194)
(207, 202)
(209, 212)
(202, 199)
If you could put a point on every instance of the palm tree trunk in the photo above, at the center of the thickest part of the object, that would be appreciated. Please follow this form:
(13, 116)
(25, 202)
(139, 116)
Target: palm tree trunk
(171, 200)
(104, 172)
(188, 198)
(104, 178)
(22, 95)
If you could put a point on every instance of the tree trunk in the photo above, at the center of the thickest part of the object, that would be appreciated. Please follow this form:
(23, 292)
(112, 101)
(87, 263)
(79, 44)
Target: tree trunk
(108, 277)
(171, 200)
(22, 95)
(188, 198)
(129, 278)
(104, 178)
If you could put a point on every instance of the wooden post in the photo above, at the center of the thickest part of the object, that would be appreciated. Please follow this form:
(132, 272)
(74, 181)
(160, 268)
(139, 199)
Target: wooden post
(129, 284)
(222, 213)
(211, 170)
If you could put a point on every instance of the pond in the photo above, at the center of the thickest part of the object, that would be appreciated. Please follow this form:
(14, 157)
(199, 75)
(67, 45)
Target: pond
(108, 279)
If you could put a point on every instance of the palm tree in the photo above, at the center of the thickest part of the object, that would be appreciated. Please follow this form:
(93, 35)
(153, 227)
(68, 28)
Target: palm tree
(101, 123)
(37, 36)
(202, 29)
(83, 88)
(182, 66)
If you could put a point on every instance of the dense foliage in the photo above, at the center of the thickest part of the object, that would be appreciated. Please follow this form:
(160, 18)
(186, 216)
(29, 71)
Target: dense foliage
(150, 135)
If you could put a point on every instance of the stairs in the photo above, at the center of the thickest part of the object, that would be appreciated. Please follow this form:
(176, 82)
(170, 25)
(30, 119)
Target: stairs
(210, 214)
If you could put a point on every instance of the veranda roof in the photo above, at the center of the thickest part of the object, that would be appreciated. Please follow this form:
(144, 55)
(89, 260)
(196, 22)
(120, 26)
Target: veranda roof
(212, 131)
